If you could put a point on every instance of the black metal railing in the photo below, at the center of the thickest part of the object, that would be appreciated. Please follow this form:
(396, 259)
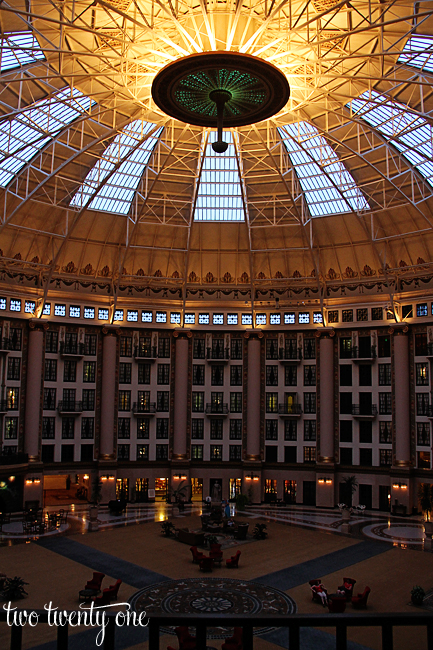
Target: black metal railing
(221, 409)
(218, 355)
(341, 623)
(358, 409)
(369, 353)
(148, 407)
(145, 352)
(69, 407)
(290, 409)
(72, 349)
(290, 354)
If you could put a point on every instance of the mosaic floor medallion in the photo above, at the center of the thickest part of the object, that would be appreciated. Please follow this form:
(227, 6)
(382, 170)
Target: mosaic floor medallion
(213, 596)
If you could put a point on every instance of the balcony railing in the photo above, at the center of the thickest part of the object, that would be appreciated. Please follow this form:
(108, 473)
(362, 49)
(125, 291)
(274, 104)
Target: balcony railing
(140, 408)
(71, 349)
(70, 407)
(364, 411)
(217, 409)
(145, 352)
(292, 354)
(369, 353)
(290, 409)
(223, 354)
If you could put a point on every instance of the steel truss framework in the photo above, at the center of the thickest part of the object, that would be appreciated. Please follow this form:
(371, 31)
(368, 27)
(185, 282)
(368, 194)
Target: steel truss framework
(331, 53)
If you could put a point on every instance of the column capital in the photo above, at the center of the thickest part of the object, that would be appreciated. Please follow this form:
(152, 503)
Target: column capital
(325, 332)
(182, 333)
(398, 329)
(38, 324)
(111, 330)
(253, 334)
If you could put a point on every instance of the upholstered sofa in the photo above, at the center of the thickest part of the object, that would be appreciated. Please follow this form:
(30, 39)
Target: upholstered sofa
(188, 537)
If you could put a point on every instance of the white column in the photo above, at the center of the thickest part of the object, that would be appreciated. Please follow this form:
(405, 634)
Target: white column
(32, 418)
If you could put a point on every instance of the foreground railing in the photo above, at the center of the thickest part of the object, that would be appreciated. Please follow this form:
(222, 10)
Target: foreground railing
(341, 623)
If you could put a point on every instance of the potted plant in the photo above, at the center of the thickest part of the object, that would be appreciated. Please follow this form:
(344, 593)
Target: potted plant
(417, 595)
(259, 531)
(211, 539)
(350, 485)
(425, 499)
(13, 588)
(346, 512)
(167, 528)
(241, 501)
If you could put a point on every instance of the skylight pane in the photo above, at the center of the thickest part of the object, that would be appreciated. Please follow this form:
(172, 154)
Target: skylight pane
(219, 196)
(327, 185)
(22, 137)
(19, 48)
(418, 52)
(117, 194)
(409, 133)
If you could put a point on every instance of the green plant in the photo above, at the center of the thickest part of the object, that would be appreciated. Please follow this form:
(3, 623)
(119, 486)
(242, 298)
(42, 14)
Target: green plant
(350, 486)
(13, 588)
(179, 492)
(417, 595)
(259, 531)
(167, 528)
(211, 539)
(96, 490)
(425, 499)
(241, 501)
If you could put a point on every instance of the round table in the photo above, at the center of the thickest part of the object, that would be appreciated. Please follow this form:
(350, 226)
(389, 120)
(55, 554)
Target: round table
(86, 595)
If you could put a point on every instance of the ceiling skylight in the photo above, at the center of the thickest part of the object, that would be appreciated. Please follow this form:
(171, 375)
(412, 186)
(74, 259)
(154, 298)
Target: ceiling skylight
(24, 136)
(117, 194)
(219, 196)
(409, 133)
(328, 187)
(17, 49)
(418, 52)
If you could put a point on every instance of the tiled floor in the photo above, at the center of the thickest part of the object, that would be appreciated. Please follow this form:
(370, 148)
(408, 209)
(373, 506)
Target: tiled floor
(303, 543)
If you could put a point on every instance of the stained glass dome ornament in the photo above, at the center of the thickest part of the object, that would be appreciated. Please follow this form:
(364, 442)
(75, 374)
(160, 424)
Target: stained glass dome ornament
(216, 89)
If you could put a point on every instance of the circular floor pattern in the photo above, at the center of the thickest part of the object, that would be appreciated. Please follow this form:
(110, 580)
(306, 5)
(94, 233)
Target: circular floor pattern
(406, 534)
(213, 596)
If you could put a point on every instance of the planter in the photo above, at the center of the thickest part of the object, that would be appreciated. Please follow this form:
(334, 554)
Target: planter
(93, 518)
(345, 515)
(428, 528)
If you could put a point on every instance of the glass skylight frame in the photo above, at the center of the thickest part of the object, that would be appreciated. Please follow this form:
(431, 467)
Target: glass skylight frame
(117, 194)
(416, 55)
(328, 187)
(23, 137)
(412, 138)
(18, 49)
(219, 195)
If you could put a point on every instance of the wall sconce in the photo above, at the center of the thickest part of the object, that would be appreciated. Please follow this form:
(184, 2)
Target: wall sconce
(176, 476)
(86, 477)
(11, 479)
(251, 477)
(104, 478)
(399, 486)
(33, 479)
(183, 477)
(110, 477)
(324, 479)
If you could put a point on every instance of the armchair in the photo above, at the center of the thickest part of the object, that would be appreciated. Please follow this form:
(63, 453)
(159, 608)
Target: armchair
(96, 582)
(360, 601)
(233, 562)
(347, 587)
(235, 641)
(196, 554)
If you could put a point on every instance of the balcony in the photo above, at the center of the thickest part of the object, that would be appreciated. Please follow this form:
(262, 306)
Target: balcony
(70, 408)
(218, 356)
(146, 352)
(13, 459)
(290, 356)
(364, 412)
(364, 355)
(71, 350)
(290, 410)
(217, 410)
(4, 408)
(4, 346)
(144, 408)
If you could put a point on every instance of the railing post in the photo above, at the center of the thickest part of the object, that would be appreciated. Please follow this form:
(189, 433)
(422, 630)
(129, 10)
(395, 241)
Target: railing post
(201, 636)
(341, 637)
(387, 640)
(153, 634)
(294, 637)
(110, 633)
(62, 637)
(16, 637)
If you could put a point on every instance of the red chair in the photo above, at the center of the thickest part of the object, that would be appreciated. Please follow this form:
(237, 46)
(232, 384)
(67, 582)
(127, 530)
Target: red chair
(336, 604)
(315, 596)
(196, 555)
(216, 553)
(233, 562)
(96, 582)
(186, 640)
(347, 587)
(235, 641)
(206, 564)
(114, 589)
(103, 599)
(360, 601)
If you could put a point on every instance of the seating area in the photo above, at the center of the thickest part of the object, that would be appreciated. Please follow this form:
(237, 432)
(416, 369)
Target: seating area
(336, 602)
(93, 588)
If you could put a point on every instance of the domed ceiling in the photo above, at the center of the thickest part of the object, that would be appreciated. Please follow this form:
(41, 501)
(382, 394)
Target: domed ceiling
(100, 186)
